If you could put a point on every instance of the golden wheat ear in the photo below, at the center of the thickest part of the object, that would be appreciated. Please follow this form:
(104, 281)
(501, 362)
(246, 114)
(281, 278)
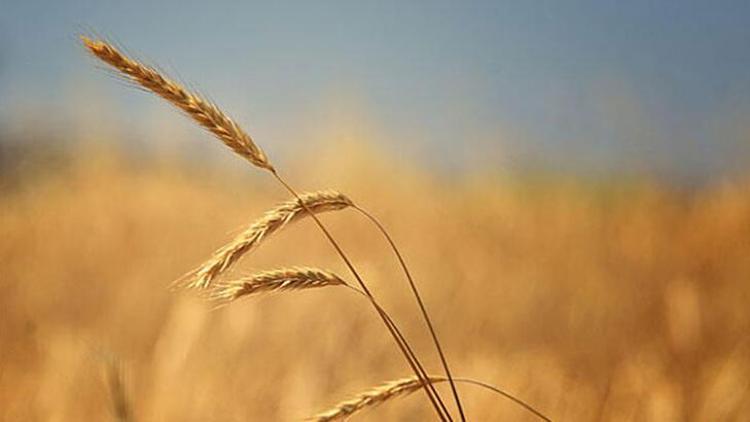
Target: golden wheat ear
(285, 279)
(204, 112)
(369, 399)
(401, 388)
(271, 222)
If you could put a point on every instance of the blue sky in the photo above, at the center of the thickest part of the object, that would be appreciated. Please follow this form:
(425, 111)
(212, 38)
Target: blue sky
(639, 85)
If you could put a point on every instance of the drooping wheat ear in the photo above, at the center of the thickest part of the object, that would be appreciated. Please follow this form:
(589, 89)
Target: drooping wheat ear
(371, 398)
(402, 388)
(274, 281)
(198, 108)
(271, 222)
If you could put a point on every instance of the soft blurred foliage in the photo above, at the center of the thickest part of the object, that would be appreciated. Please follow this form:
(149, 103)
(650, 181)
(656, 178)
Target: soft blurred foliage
(607, 300)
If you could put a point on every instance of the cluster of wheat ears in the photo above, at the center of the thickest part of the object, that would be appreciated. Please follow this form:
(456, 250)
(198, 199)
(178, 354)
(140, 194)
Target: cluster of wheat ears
(206, 278)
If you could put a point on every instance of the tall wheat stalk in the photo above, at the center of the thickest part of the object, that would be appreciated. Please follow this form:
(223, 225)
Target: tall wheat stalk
(210, 117)
(421, 304)
(214, 120)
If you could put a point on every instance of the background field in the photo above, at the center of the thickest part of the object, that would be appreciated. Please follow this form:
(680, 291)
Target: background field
(617, 300)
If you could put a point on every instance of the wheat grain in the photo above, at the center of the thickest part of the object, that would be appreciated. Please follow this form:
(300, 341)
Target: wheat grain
(271, 222)
(285, 279)
(207, 114)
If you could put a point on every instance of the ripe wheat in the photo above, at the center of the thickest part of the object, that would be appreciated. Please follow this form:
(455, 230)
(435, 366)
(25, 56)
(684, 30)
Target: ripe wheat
(271, 222)
(210, 117)
(274, 281)
(198, 108)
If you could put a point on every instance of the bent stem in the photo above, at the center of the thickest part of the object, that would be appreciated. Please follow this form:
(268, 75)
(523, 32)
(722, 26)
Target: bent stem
(437, 379)
(403, 344)
(498, 391)
(408, 354)
(422, 308)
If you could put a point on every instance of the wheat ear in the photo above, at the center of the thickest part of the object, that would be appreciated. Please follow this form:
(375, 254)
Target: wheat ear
(271, 222)
(274, 281)
(402, 388)
(206, 113)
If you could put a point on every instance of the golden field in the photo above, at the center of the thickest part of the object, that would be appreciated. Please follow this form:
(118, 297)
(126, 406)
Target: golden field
(591, 301)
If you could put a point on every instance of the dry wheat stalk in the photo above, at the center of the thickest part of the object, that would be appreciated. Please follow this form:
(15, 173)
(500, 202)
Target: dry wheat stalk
(213, 119)
(198, 108)
(271, 222)
(298, 278)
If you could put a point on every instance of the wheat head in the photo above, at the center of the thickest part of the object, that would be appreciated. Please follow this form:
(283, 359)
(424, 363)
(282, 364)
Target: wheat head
(271, 222)
(207, 114)
(372, 398)
(298, 278)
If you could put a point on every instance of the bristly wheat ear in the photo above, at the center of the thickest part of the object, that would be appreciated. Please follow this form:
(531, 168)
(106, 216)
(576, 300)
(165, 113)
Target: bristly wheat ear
(274, 281)
(196, 107)
(371, 398)
(271, 222)
(401, 388)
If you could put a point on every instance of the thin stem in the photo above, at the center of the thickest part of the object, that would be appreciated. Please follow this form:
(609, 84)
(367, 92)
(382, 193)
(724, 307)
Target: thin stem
(504, 394)
(410, 355)
(434, 380)
(402, 342)
(436, 401)
(421, 307)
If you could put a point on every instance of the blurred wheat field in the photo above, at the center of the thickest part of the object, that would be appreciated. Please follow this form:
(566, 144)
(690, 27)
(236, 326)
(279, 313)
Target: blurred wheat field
(590, 301)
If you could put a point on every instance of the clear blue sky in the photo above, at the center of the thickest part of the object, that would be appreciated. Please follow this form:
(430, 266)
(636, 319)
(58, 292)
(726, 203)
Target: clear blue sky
(661, 85)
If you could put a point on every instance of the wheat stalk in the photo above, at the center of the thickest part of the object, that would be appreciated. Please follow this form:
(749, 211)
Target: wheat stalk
(401, 388)
(274, 281)
(420, 302)
(271, 222)
(206, 113)
(213, 119)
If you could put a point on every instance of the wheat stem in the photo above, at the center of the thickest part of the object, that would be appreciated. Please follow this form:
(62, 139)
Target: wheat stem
(422, 308)
(213, 119)
(436, 401)
(305, 278)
